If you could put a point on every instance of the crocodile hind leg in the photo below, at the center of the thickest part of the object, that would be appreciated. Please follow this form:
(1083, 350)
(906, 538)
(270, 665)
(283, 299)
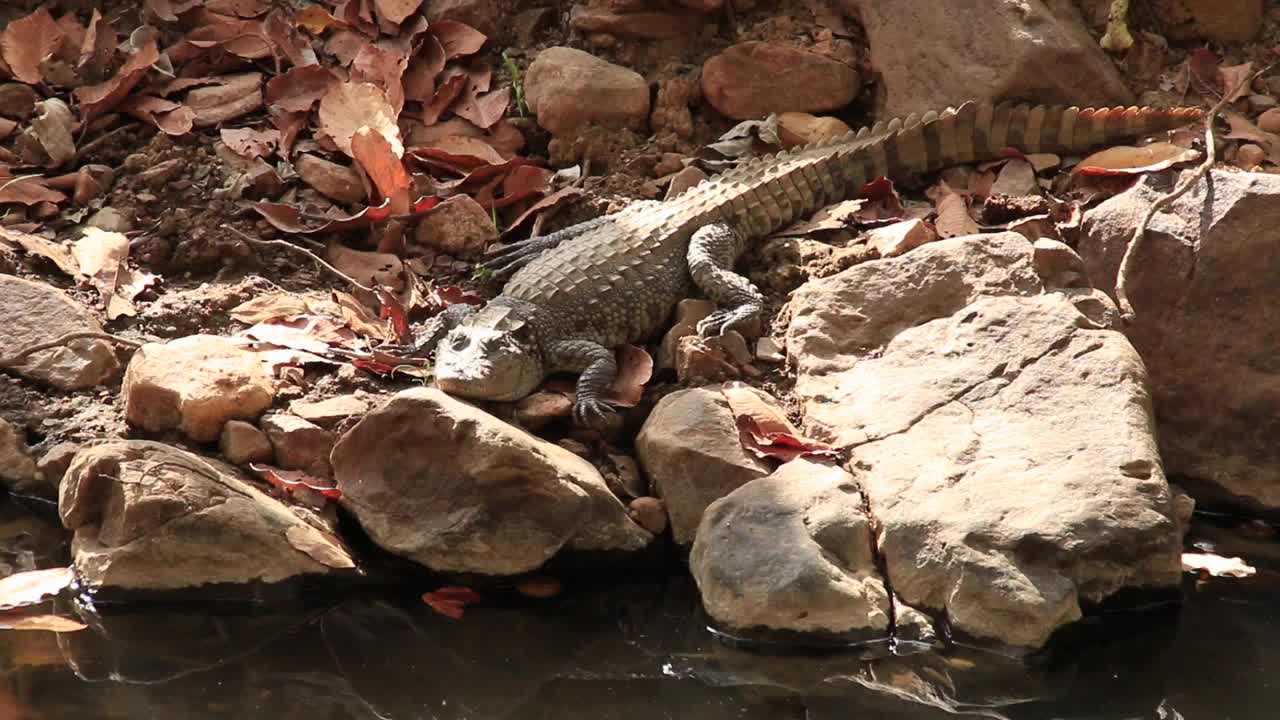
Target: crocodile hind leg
(598, 368)
(712, 252)
(506, 260)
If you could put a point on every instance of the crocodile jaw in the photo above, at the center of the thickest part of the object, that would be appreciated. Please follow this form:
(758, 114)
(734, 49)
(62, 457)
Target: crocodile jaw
(487, 364)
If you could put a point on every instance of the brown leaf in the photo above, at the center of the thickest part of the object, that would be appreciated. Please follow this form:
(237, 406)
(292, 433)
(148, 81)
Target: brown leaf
(49, 623)
(251, 143)
(1016, 179)
(369, 268)
(360, 318)
(33, 586)
(308, 333)
(239, 8)
(763, 429)
(315, 19)
(395, 11)
(484, 110)
(347, 107)
(286, 41)
(27, 41)
(1243, 129)
(953, 215)
(172, 118)
(448, 87)
(635, 368)
(1203, 65)
(56, 252)
(548, 204)
(832, 217)
(1130, 160)
(465, 146)
(73, 34)
(1233, 79)
(299, 89)
(102, 259)
(420, 78)
(27, 190)
(99, 46)
(380, 162)
(457, 38)
(98, 99)
(271, 305)
(383, 68)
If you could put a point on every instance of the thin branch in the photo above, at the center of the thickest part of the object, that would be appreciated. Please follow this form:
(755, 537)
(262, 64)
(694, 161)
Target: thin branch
(1164, 201)
(62, 341)
(295, 248)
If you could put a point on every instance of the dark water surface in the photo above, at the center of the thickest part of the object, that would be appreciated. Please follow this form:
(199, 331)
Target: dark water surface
(609, 650)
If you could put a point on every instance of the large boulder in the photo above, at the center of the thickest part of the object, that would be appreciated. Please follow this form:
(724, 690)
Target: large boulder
(1204, 289)
(690, 450)
(1035, 50)
(816, 572)
(1002, 434)
(37, 313)
(447, 485)
(753, 79)
(195, 384)
(149, 516)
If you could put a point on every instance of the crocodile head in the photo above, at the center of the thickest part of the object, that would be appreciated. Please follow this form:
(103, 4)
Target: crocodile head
(490, 356)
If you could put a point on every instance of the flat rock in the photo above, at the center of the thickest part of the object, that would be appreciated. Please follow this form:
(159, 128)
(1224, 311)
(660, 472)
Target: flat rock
(1204, 290)
(449, 486)
(148, 516)
(242, 443)
(690, 450)
(334, 181)
(331, 411)
(1004, 440)
(568, 88)
(753, 79)
(35, 313)
(1038, 50)
(635, 25)
(299, 444)
(792, 551)
(458, 226)
(195, 384)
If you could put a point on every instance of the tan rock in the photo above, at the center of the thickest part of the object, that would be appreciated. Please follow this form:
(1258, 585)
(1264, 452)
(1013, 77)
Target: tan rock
(483, 496)
(299, 444)
(567, 88)
(690, 450)
(458, 226)
(1249, 156)
(1204, 290)
(986, 417)
(1035, 49)
(17, 468)
(792, 551)
(1058, 265)
(148, 516)
(1269, 120)
(336, 182)
(800, 128)
(900, 237)
(688, 312)
(753, 79)
(649, 513)
(242, 443)
(54, 463)
(1224, 21)
(195, 384)
(331, 411)
(36, 313)
(541, 408)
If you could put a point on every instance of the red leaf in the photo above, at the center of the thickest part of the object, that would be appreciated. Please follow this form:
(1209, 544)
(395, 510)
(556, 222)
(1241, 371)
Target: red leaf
(291, 480)
(371, 149)
(764, 430)
(443, 297)
(27, 41)
(27, 190)
(1203, 64)
(395, 11)
(446, 92)
(392, 308)
(450, 600)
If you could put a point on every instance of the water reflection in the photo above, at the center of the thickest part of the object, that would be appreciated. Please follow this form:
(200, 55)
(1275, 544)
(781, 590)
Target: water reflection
(621, 650)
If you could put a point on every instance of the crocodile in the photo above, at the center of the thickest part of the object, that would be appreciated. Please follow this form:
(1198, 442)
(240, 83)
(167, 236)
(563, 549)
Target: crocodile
(573, 296)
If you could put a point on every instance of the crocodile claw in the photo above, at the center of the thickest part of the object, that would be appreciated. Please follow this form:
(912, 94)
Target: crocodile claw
(742, 319)
(591, 412)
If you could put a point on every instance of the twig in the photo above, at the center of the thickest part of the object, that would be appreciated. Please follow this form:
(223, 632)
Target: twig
(295, 248)
(94, 144)
(63, 340)
(1140, 232)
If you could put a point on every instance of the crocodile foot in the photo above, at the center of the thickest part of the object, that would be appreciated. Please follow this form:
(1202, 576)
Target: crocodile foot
(745, 319)
(591, 413)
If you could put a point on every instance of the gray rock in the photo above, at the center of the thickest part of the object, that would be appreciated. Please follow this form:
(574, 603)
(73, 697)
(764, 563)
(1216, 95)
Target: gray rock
(1204, 289)
(36, 313)
(1005, 443)
(449, 486)
(791, 551)
(690, 450)
(148, 516)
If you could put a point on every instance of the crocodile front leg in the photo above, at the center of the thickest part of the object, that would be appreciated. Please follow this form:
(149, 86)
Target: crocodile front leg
(712, 252)
(598, 368)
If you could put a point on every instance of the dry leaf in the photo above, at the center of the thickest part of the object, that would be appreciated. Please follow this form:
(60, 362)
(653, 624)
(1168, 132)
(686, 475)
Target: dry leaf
(50, 623)
(1233, 80)
(900, 237)
(271, 305)
(347, 107)
(369, 268)
(26, 189)
(27, 41)
(448, 87)
(1016, 179)
(395, 11)
(251, 143)
(98, 99)
(383, 166)
(383, 68)
(287, 41)
(1131, 160)
(832, 217)
(1242, 129)
(102, 258)
(635, 368)
(457, 38)
(311, 541)
(299, 89)
(172, 118)
(762, 427)
(953, 216)
(1216, 565)
(361, 319)
(31, 587)
(58, 253)
(315, 19)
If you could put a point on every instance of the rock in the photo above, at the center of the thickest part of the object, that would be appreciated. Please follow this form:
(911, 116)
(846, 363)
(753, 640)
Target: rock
(1036, 50)
(148, 516)
(568, 88)
(458, 226)
(54, 463)
(690, 450)
(1249, 156)
(37, 313)
(336, 182)
(911, 625)
(753, 79)
(539, 409)
(688, 312)
(1204, 290)
(1223, 21)
(1005, 443)
(483, 15)
(242, 443)
(1269, 121)
(329, 412)
(299, 444)
(683, 180)
(111, 220)
(17, 468)
(791, 551)
(702, 360)
(195, 384)
(636, 25)
(900, 237)
(770, 350)
(671, 113)
(798, 128)
(649, 513)
(17, 100)
(1058, 265)
(484, 496)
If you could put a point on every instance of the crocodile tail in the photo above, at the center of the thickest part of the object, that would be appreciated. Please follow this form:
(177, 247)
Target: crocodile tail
(975, 132)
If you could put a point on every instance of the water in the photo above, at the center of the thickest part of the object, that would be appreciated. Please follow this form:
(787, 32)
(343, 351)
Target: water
(607, 650)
